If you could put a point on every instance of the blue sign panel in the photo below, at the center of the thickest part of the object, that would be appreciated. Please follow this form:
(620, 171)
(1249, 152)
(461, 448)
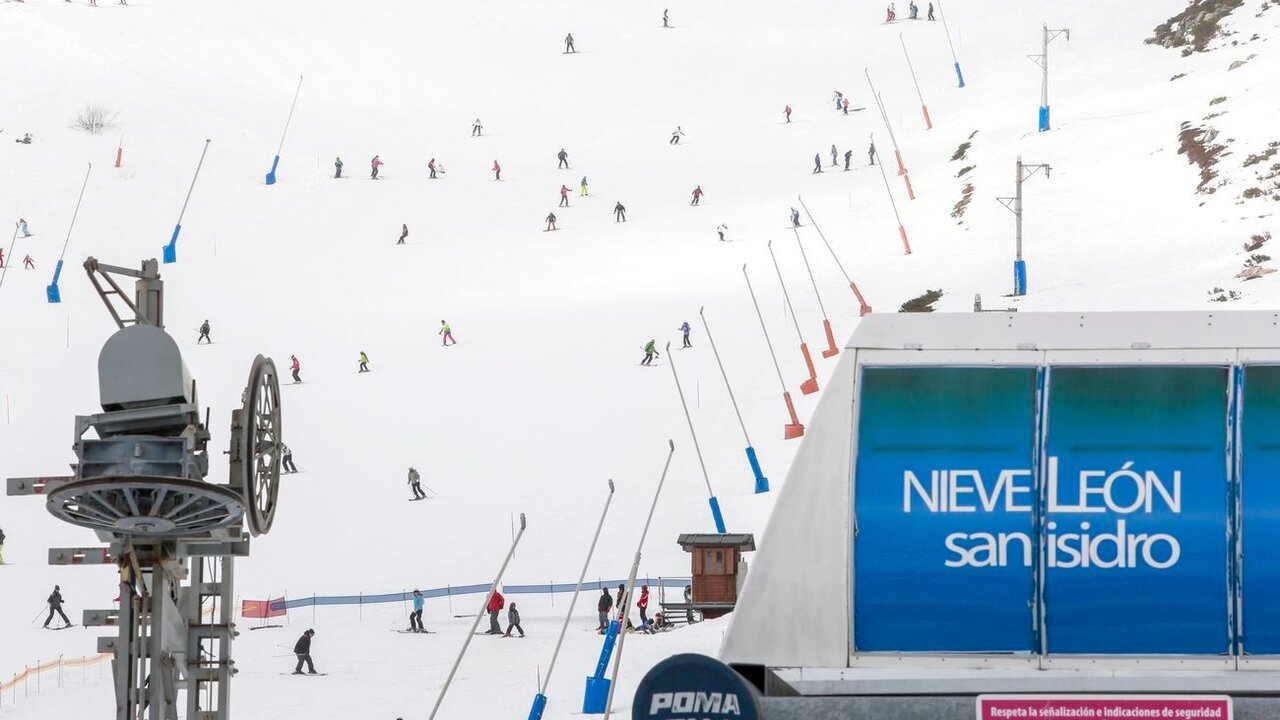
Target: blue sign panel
(1260, 502)
(943, 510)
(1135, 488)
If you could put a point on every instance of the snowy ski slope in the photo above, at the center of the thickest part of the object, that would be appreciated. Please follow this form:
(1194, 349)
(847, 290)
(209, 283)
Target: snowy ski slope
(542, 399)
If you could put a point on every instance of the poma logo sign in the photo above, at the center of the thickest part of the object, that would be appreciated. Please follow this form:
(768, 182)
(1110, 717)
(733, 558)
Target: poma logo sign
(694, 687)
(1084, 544)
(695, 705)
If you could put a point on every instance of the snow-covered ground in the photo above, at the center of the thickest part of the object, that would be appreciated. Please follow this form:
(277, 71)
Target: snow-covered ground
(542, 399)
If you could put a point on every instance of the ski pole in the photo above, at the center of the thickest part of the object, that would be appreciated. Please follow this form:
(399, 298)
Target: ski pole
(826, 323)
(863, 308)
(476, 623)
(811, 385)
(762, 483)
(793, 429)
(716, 517)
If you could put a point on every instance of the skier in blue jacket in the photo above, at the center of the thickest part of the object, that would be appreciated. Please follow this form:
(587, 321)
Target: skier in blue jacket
(415, 618)
(684, 330)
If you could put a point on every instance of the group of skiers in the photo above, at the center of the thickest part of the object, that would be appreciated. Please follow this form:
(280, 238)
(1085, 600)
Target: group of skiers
(606, 604)
(848, 154)
(651, 347)
(494, 608)
(913, 10)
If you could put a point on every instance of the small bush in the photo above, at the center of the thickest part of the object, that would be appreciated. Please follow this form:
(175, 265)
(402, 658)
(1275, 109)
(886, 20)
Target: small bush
(95, 118)
(923, 303)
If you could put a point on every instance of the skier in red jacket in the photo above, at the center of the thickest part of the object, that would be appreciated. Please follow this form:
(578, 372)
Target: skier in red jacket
(697, 195)
(496, 603)
(497, 170)
(375, 163)
(643, 602)
(564, 196)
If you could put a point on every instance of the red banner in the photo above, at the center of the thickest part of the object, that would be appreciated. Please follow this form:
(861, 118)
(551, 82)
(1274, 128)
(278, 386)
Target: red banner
(262, 608)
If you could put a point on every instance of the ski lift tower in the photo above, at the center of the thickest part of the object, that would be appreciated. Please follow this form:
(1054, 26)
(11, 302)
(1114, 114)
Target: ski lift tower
(140, 485)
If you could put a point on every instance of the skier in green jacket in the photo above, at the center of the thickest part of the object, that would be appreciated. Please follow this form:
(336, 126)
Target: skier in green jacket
(650, 352)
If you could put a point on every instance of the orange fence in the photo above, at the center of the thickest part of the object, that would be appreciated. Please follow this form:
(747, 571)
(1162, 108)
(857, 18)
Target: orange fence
(30, 678)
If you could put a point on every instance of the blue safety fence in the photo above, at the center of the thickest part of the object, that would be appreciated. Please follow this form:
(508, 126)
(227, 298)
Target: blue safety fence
(451, 590)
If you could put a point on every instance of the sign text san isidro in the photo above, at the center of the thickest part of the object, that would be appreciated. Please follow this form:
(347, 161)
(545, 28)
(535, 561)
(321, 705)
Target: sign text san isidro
(1100, 495)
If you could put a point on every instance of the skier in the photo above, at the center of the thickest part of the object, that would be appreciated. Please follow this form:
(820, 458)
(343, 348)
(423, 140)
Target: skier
(415, 484)
(564, 196)
(871, 152)
(930, 12)
(286, 460)
(404, 233)
(204, 333)
(620, 604)
(295, 367)
(431, 168)
(28, 263)
(817, 163)
(697, 195)
(1, 546)
(643, 603)
(795, 217)
(603, 606)
(787, 111)
(476, 128)
(834, 155)
(1, 257)
(582, 187)
(337, 168)
(513, 620)
(676, 135)
(564, 159)
(844, 105)
(889, 14)
(568, 43)
(415, 617)
(494, 607)
(364, 362)
(914, 10)
(551, 221)
(447, 334)
(55, 606)
(302, 649)
(25, 139)
(847, 154)
(664, 19)
(375, 163)
(22, 228)
(619, 212)
(839, 96)
(497, 170)
(650, 352)
(684, 330)
(721, 229)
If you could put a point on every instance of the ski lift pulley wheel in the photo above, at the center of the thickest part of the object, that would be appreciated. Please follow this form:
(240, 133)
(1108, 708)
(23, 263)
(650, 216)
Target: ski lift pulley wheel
(147, 506)
(259, 445)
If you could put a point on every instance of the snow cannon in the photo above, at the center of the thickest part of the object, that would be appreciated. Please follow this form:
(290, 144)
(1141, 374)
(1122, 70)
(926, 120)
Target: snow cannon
(139, 483)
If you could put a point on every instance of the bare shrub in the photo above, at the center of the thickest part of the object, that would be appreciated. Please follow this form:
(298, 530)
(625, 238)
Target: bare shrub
(94, 118)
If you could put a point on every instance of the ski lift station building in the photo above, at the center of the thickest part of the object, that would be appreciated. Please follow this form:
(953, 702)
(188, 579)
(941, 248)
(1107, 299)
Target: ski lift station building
(1057, 504)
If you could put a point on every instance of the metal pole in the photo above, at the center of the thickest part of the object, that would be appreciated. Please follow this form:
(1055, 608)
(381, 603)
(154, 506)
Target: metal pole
(764, 329)
(290, 118)
(631, 579)
(831, 350)
(947, 32)
(171, 250)
(885, 117)
(928, 124)
(707, 329)
(53, 294)
(810, 385)
(467, 641)
(193, 180)
(794, 429)
(902, 232)
(864, 309)
(762, 483)
(540, 701)
(715, 504)
(785, 295)
(1044, 64)
(1017, 211)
